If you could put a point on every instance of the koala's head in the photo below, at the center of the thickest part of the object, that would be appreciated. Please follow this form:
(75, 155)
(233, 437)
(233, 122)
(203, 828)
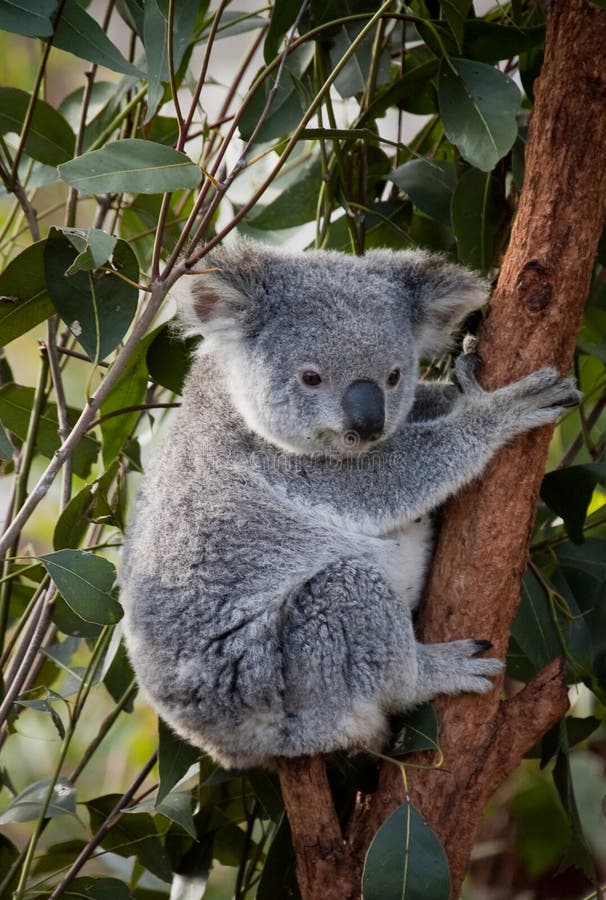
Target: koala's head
(320, 350)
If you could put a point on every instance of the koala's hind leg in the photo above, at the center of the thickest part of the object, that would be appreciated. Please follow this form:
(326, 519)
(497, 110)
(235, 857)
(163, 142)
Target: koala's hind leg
(350, 658)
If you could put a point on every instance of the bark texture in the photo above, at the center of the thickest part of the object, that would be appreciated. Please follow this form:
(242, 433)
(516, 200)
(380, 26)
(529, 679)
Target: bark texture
(474, 587)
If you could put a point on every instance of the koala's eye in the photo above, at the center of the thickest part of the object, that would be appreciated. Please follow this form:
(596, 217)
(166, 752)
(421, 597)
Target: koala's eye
(393, 377)
(311, 378)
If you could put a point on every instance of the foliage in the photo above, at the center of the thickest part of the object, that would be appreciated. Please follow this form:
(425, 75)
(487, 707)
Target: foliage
(340, 125)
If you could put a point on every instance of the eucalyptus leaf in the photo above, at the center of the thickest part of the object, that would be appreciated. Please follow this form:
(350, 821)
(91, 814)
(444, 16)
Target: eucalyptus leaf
(78, 33)
(16, 403)
(405, 860)
(24, 300)
(589, 557)
(568, 493)
(133, 165)
(49, 139)
(169, 359)
(85, 582)
(175, 757)
(296, 204)
(133, 833)
(476, 217)
(73, 522)
(27, 805)
(94, 247)
(278, 878)
(31, 18)
(417, 731)
(97, 889)
(478, 105)
(98, 307)
(430, 184)
(6, 447)
(283, 16)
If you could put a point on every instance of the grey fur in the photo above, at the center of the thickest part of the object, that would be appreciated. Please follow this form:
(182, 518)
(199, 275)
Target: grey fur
(271, 567)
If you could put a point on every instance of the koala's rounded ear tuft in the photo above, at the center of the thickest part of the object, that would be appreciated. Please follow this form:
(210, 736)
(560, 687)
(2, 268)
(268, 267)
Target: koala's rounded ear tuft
(437, 295)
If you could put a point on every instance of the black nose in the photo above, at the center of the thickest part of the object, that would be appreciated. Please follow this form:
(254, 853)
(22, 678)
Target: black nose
(364, 407)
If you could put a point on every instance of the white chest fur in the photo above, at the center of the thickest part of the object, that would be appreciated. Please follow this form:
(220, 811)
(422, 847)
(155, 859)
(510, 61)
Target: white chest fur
(402, 556)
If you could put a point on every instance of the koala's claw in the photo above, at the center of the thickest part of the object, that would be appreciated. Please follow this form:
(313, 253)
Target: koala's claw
(483, 645)
(571, 401)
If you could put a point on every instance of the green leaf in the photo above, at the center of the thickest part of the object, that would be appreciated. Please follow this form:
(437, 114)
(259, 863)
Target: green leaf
(85, 582)
(547, 626)
(131, 165)
(478, 105)
(430, 184)
(6, 447)
(414, 91)
(405, 860)
(176, 806)
(295, 205)
(24, 301)
(169, 359)
(476, 218)
(288, 104)
(283, 16)
(267, 790)
(133, 833)
(78, 33)
(577, 730)
(278, 878)
(45, 707)
(589, 557)
(73, 522)
(97, 889)
(175, 757)
(8, 857)
(568, 493)
(50, 140)
(417, 731)
(119, 677)
(489, 42)
(94, 247)
(31, 18)
(351, 80)
(155, 41)
(455, 12)
(129, 390)
(15, 409)
(98, 307)
(27, 805)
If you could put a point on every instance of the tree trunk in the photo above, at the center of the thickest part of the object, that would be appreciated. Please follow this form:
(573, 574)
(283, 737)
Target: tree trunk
(481, 554)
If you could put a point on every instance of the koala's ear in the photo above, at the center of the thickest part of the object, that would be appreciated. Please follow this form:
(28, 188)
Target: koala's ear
(228, 297)
(436, 293)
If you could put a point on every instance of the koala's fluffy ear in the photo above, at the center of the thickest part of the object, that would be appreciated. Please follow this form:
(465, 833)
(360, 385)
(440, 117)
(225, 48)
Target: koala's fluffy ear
(437, 294)
(230, 298)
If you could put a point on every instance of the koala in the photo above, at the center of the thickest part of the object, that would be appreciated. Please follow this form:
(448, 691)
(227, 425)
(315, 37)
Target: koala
(282, 533)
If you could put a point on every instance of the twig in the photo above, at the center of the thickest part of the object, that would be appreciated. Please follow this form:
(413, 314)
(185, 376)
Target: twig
(114, 815)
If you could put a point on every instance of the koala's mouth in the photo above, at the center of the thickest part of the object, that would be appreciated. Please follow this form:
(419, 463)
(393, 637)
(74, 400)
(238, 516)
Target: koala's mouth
(349, 442)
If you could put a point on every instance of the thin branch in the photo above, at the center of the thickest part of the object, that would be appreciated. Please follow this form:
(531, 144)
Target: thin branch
(159, 291)
(97, 839)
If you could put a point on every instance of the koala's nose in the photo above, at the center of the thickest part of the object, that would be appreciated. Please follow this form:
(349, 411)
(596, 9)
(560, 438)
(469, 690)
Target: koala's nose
(364, 407)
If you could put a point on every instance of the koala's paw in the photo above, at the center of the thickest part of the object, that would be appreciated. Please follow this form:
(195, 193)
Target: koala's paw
(541, 398)
(466, 367)
(454, 667)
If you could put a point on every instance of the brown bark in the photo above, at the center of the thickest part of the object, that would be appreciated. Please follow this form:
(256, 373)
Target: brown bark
(533, 321)
(325, 867)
